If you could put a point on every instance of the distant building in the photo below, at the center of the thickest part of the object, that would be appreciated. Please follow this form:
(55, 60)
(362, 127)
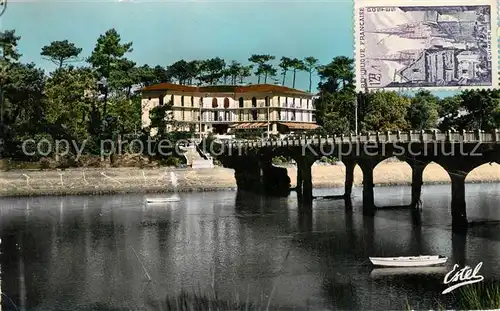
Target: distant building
(225, 109)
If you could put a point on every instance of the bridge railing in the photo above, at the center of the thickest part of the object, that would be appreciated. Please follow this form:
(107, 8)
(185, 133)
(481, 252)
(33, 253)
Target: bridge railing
(424, 136)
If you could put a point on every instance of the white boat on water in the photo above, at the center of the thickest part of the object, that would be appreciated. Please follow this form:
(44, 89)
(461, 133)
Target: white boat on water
(411, 261)
(162, 200)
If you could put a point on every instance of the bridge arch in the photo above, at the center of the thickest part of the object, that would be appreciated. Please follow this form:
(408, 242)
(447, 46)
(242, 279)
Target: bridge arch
(400, 171)
(487, 172)
(392, 172)
(435, 173)
(484, 173)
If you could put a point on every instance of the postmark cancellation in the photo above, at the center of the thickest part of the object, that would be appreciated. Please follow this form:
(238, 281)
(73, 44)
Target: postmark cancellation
(440, 45)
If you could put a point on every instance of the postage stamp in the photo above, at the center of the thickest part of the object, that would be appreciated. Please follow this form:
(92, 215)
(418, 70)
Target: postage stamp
(439, 45)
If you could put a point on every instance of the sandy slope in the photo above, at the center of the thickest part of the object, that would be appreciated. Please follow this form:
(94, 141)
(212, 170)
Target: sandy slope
(93, 181)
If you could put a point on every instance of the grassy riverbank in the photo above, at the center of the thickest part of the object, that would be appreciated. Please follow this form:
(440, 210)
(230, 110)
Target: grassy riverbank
(136, 180)
(473, 297)
(479, 297)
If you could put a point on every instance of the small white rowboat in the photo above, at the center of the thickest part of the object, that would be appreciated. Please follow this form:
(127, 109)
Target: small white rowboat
(412, 261)
(162, 200)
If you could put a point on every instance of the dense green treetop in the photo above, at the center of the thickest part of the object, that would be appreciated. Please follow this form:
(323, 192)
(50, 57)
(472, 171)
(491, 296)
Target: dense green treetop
(61, 52)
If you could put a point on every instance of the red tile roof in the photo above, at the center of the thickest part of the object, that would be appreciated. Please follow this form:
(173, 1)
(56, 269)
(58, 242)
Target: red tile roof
(256, 88)
(170, 87)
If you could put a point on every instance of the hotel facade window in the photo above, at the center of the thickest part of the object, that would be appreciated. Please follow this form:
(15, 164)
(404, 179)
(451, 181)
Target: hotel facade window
(201, 112)
(254, 115)
(215, 114)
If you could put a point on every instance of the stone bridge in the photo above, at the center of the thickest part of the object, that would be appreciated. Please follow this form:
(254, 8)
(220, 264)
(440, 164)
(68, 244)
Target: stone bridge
(457, 152)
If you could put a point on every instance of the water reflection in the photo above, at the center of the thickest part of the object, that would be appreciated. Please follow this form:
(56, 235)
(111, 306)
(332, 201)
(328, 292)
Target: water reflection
(388, 272)
(78, 252)
(458, 246)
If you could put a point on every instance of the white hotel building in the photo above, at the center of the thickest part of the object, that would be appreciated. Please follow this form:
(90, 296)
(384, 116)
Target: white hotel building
(225, 109)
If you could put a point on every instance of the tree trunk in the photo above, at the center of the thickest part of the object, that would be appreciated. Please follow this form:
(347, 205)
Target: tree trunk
(294, 74)
(310, 81)
(284, 78)
(105, 109)
(2, 126)
(258, 79)
(61, 62)
(1, 105)
(265, 78)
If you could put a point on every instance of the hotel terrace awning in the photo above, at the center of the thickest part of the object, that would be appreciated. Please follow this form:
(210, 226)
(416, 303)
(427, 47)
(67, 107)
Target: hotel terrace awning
(253, 125)
(300, 126)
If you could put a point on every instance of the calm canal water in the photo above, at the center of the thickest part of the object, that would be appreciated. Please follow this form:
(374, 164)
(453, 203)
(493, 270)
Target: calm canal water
(79, 253)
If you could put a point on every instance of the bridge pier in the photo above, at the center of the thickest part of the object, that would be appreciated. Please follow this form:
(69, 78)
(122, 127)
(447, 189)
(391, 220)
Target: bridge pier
(349, 177)
(248, 176)
(300, 180)
(275, 180)
(259, 175)
(417, 181)
(304, 179)
(367, 167)
(459, 247)
(458, 205)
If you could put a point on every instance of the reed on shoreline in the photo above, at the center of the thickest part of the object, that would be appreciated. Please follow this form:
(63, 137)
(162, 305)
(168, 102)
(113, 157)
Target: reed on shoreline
(472, 297)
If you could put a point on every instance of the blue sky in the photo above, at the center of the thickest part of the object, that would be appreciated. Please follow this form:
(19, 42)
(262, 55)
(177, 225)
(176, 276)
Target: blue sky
(165, 31)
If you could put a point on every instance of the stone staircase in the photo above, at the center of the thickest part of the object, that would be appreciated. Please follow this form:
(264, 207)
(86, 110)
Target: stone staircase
(196, 158)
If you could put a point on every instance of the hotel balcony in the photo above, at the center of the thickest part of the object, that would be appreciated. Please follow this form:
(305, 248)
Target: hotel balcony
(233, 119)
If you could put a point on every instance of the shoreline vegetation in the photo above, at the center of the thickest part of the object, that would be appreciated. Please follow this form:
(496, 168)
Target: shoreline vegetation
(471, 297)
(107, 180)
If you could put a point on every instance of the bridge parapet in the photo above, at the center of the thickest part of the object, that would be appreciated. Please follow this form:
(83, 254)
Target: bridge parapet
(427, 136)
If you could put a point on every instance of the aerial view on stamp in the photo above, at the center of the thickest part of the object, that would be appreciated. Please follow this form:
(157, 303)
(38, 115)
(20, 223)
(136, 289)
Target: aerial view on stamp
(443, 46)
